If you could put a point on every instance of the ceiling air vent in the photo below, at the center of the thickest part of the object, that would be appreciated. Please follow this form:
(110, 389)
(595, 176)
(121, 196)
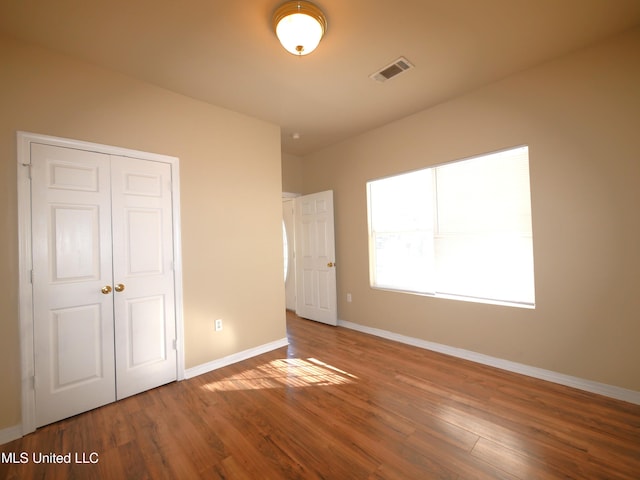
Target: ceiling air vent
(390, 71)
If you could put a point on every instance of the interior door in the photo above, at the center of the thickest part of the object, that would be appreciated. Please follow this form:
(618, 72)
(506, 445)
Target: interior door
(103, 279)
(143, 275)
(316, 297)
(73, 308)
(289, 231)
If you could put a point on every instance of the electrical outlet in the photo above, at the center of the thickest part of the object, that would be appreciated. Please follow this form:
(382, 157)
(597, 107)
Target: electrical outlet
(349, 297)
(218, 325)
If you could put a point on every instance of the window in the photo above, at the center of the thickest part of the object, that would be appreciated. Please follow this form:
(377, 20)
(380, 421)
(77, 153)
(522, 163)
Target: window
(460, 230)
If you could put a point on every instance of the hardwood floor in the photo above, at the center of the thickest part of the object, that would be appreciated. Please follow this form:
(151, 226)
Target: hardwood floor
(339, 404)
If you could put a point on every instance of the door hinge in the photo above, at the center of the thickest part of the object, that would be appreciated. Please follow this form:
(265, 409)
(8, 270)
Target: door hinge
(175, 344)
(28, 165)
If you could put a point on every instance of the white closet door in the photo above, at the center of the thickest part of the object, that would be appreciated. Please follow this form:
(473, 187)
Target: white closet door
(73, 318)
(103, 279)
(145, 323)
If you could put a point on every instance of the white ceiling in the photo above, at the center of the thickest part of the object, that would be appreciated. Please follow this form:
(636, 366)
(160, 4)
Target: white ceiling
(225, 52)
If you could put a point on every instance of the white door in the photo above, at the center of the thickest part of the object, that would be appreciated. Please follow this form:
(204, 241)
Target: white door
(73, 319)
(316, 297)
(290, 271)
(143, 280)
(104, 322)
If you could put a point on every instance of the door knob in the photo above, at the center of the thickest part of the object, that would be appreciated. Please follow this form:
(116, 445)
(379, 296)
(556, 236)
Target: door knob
(119, 287)
(331, 264)
(106, 289)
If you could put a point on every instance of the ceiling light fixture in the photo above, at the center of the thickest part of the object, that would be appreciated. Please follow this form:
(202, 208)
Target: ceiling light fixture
(299, 26)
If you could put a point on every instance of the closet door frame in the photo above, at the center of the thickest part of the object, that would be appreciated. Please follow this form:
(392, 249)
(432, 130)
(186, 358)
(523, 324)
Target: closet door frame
(24, 141)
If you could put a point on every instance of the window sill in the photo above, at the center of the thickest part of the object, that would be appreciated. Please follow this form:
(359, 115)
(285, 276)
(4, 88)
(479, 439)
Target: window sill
(461, 298)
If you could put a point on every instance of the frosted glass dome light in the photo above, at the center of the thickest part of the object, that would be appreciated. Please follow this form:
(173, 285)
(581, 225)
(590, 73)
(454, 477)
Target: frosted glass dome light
(299, 26)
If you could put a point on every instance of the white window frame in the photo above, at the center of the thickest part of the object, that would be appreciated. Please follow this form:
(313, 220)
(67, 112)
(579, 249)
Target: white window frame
(430, 286)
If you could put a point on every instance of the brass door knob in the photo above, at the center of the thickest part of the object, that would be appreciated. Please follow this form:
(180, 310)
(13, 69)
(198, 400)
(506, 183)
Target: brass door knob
(119, 287)
(106, 289)
(331, 264)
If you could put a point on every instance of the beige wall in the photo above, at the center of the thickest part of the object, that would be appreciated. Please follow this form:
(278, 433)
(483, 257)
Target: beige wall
(231, 194)
(291, 173)
(580, 116)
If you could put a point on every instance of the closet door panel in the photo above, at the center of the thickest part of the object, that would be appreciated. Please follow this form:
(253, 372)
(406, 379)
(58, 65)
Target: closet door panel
(143, 275)
(73, 318)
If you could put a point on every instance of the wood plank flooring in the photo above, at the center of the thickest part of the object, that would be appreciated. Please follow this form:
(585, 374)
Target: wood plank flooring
(339, 404)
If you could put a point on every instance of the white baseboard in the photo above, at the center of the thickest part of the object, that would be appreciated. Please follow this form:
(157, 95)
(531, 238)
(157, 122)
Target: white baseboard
(10, 434)
(236, 357)
(611, 391)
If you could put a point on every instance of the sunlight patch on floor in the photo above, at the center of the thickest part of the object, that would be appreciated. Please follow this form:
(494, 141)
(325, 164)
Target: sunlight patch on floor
(286, 372)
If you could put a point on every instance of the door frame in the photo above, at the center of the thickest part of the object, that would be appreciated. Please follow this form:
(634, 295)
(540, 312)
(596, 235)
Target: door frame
(290, 197)
(25, 304)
